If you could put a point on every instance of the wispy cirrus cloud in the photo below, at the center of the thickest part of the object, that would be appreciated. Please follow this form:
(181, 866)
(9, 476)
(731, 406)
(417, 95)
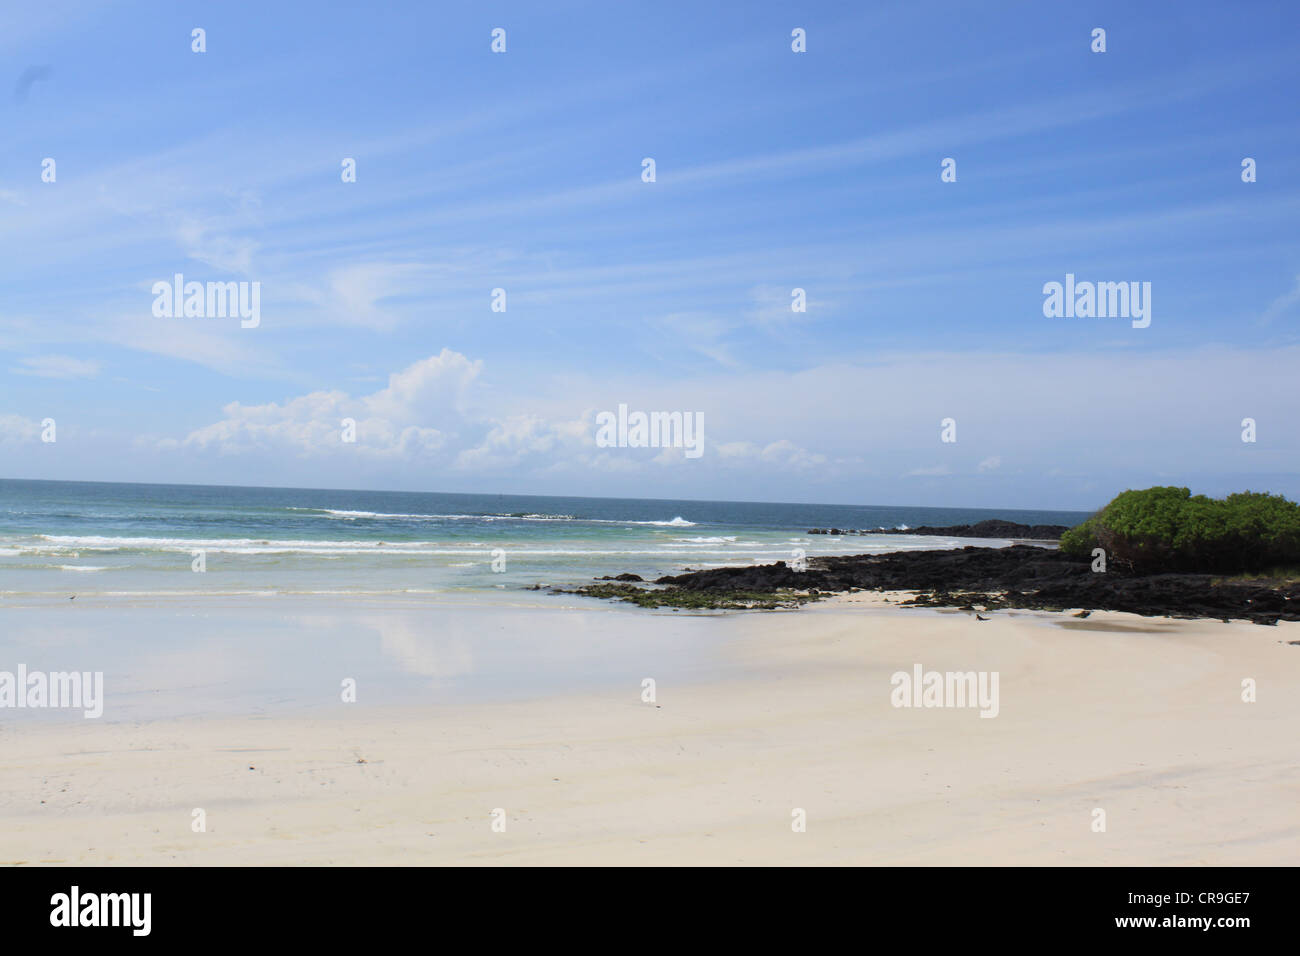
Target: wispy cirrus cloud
(58, 366)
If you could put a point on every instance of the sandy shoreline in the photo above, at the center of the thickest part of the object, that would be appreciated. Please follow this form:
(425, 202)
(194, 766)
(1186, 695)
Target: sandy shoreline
(1141, 717)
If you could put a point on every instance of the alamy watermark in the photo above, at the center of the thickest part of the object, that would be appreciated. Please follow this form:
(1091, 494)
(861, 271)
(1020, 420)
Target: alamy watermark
(57, 689)
(75, 908)
(923, 688)
(208, 300)
(651, 430)
(1100, 300)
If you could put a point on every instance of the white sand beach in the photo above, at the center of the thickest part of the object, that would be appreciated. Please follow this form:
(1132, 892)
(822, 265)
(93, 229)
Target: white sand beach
(1140, 717)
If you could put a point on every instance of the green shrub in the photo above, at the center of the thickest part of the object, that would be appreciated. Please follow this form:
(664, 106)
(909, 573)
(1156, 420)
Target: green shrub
(1263, 529)
(1171, 529)
(1081, 539)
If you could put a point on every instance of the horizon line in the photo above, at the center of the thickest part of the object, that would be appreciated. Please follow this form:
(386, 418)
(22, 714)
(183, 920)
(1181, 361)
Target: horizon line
(743, 501)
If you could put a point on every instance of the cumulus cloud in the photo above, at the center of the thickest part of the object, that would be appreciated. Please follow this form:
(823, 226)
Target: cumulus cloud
(420, 417)
(426, 415)
(415, 416)
(527, 438)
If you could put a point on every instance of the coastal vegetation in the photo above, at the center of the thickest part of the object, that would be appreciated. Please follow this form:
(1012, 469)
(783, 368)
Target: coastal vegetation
(1167, 529)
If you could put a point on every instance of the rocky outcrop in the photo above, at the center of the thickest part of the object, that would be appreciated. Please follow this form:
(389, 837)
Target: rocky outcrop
(1022, 576)
(992, 528)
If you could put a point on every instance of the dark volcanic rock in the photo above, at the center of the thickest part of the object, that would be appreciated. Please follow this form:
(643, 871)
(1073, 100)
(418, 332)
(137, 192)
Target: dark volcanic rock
(625, 576)
(1022, 576)
(992, 528)
(967, 568)
(996, 528)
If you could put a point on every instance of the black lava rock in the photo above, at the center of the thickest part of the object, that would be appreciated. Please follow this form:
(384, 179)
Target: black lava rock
(1017, 576)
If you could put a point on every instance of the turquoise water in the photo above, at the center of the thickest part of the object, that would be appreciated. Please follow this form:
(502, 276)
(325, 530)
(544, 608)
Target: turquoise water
(126, 539)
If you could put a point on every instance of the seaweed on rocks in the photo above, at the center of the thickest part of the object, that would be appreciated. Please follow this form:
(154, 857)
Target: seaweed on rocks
(733, 599)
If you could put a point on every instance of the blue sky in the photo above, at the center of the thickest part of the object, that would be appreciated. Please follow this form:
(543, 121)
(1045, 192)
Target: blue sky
(775, 170)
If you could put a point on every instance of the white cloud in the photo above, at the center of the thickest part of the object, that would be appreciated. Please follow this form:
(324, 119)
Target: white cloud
(363, 294)
(783, 454)
(14, 429)
(863, 430)
(225, 348)
(425, 388)
(202, 242)
(414, 417)
(524, 438)
(425, 415)
(773, 305)
(702, 332)
(58, 366)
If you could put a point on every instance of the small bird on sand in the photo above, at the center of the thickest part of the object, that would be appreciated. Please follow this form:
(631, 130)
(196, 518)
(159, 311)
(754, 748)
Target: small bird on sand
(1083, 614)
(73, 598)
(978, 618)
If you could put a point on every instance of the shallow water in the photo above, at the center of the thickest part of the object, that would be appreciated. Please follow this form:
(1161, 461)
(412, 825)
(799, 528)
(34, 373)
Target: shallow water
(64, 538)
(173, 656)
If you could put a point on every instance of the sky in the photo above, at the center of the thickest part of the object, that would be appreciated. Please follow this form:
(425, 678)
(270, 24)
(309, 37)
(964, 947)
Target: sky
(775, 170)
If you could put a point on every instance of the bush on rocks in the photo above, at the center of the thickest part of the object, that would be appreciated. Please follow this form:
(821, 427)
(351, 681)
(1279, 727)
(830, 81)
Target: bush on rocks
(1170, 529)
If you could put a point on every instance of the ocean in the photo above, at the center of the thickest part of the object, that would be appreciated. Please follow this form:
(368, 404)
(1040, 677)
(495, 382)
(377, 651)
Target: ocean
(92, 538)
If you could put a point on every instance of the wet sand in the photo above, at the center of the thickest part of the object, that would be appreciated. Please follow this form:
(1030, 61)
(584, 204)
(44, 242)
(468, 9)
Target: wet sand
(756, 716)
